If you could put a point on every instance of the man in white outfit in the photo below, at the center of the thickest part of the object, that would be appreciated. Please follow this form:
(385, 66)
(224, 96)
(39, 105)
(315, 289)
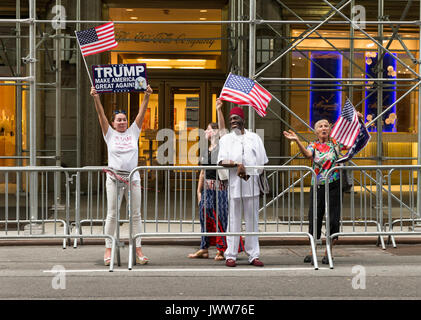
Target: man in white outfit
(238, 149)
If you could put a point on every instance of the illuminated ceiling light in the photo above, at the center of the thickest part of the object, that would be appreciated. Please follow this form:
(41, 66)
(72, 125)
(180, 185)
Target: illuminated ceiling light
(191, 68)
(191, 60)
(370, 45)
(159, 67)
(203, 11)
(202, 18)
(134, 18)
(152, 60)
(129, 10)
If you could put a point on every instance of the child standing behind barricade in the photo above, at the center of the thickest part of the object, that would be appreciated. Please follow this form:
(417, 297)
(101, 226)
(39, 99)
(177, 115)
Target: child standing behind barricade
(123, 152)
(323, 152)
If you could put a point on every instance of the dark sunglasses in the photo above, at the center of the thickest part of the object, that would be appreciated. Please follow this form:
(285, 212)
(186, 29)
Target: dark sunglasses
(119, 111)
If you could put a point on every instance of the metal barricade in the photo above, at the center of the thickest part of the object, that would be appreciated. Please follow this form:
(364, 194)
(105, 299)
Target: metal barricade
(170, 208)
(91, 205)
(378, 196)
(45, 214)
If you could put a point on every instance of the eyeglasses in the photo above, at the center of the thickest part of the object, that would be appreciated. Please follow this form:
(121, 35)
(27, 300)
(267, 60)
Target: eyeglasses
(119, 111)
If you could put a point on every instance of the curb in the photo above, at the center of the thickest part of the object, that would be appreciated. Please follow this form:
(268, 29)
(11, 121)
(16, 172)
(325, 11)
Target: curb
(267, 241)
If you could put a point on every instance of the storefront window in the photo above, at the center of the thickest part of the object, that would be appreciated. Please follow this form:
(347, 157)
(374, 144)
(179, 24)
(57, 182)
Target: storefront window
(8, 122)
(400, 118)
(315, 58)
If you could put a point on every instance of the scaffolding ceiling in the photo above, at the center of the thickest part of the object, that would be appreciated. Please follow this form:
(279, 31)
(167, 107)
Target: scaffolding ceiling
(8, 8)
(314, 9)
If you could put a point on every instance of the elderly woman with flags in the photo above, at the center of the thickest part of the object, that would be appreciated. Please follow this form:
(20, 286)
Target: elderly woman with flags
(324, 152)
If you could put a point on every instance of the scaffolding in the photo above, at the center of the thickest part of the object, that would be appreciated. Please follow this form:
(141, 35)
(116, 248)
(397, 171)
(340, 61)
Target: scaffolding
(242, 14)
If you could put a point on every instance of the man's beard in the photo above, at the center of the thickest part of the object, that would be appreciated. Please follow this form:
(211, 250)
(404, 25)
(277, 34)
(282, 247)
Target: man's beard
(237, 131)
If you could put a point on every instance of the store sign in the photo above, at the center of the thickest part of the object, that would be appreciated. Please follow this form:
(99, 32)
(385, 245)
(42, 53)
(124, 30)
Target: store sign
(165, 38)
(120, 77)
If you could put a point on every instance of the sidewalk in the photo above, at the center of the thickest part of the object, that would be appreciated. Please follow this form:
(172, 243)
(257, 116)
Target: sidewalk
(33, 272)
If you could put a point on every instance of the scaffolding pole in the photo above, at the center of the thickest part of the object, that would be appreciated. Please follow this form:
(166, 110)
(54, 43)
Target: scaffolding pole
(33, 184)
(419, 123)
(259, 21)
(252, 58)
(57, 175)
(78, 95)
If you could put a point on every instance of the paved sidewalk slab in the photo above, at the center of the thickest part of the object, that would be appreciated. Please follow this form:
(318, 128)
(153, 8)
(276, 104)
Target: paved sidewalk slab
(28, 272)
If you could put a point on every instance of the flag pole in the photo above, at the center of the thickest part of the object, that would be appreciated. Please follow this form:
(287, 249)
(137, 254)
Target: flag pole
(87, 69)
(224, 85)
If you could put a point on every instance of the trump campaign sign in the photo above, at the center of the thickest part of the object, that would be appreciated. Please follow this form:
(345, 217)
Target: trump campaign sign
(120, 77)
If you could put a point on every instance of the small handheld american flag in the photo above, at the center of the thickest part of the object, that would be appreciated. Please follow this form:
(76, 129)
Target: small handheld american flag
(96, 40)
(347, 127)
(244, 91)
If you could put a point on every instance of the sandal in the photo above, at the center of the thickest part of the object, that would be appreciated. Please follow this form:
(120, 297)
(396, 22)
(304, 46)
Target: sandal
(219, 256)
(308, 258)
(142, 259)
(325, 260)
(199, 254)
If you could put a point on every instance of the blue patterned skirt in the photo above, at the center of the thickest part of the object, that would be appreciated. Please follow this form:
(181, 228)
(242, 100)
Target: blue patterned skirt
(212, 222)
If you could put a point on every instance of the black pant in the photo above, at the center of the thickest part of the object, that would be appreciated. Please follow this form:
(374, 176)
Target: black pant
(334, 208)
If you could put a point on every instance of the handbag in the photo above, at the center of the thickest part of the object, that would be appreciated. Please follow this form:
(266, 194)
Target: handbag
(263, 184)
(223, 174)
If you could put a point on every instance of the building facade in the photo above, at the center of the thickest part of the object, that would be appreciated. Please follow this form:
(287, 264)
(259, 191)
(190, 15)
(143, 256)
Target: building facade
(187, 65)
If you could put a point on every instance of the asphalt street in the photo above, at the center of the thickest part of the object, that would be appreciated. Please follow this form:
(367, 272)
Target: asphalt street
(360, 272)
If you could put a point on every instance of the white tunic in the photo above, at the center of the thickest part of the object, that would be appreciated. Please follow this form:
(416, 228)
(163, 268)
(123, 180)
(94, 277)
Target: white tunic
(123, 149)
(249, 150)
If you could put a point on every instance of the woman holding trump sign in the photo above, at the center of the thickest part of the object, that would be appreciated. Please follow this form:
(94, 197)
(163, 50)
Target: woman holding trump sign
(123, 149)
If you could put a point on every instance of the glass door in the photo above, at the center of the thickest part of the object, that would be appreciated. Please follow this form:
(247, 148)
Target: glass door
(184, 118)
(147, 141)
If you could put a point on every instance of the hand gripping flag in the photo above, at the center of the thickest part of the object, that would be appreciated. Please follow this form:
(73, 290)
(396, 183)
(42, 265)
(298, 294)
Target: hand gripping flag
(244, 91)
(362, 139)
(347, 127)
(96, 40)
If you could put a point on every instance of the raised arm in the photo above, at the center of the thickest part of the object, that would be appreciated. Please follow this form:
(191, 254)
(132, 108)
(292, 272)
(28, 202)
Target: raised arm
(142, 110)
(103, 121)
(290, 135)
(220, 116)
(200, 185)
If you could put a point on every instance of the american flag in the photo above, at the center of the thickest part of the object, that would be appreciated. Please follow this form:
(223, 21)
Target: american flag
(244, 91)
(347, 127)
(360, 143)
(96, 40)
